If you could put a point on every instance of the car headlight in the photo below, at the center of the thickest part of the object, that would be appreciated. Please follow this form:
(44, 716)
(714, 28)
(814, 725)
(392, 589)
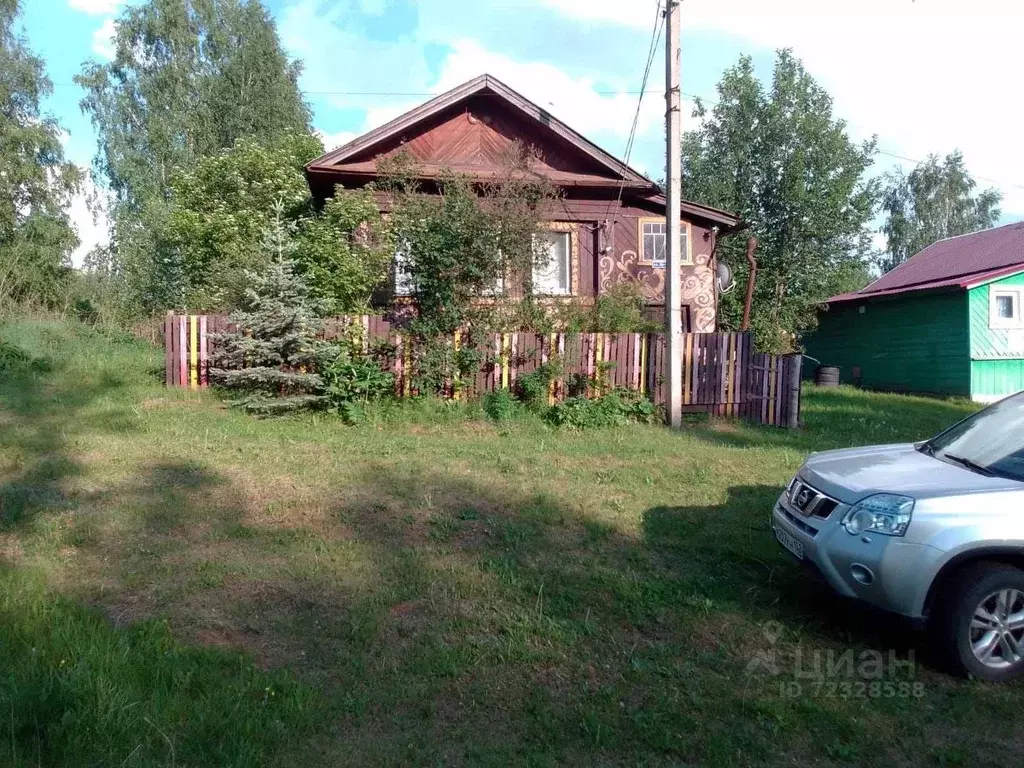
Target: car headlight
(885, 513)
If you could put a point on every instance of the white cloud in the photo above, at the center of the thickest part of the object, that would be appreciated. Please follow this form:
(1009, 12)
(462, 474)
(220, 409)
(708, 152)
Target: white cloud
(633, 13)
(332, 141)
(103, 40)
(592, 111)
(575, 100)
(328, 41)
(88, 214)
(374, 7)
(924, 76)
(95, 6)
(339, 56)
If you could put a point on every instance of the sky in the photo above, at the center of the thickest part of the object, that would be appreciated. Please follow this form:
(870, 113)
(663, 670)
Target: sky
(924, 76)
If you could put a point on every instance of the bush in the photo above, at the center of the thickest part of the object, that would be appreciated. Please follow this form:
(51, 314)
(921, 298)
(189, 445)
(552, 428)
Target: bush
(501, 405)
(616, 408)
(533, 387)
(350, 382)
(12, 357)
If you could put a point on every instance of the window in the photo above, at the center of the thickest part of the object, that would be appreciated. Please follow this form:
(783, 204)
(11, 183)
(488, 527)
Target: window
(653, 243)
(1004, 308)
(553, 267)
(498, 288)
(403, 279)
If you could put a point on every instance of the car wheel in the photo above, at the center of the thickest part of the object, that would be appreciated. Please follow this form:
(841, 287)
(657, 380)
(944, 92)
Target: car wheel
(983, 622)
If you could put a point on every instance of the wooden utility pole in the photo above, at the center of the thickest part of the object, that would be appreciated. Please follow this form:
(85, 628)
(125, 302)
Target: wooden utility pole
(673, 242)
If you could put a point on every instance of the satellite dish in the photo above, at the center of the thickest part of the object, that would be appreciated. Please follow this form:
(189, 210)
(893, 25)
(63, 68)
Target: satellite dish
(724, 276)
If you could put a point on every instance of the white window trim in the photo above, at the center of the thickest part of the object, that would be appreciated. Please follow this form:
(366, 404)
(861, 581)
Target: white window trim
(1001, 323)
(404, 285)
(496, 291)
(568, 264)
(686, 242)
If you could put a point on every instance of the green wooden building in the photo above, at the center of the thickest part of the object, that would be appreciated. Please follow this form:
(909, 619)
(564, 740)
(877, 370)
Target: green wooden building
(948, 321)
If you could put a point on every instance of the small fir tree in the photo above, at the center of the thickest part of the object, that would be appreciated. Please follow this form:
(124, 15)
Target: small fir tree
(272, 359)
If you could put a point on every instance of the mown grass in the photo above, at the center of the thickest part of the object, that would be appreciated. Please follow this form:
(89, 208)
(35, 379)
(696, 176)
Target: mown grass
(426, 588)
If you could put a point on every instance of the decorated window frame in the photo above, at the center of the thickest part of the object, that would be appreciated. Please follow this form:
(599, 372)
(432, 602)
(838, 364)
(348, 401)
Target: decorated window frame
(574, 255)
(686, 233)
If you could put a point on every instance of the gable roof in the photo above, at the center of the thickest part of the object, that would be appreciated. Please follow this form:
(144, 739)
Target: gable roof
(484, 84)
(956, 262)
(598, 168)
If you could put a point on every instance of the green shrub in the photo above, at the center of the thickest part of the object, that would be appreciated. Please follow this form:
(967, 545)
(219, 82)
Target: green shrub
(14, 359)
(12, 356)
(616, 408)
(501, 405)
(350, 382)
(533, 387)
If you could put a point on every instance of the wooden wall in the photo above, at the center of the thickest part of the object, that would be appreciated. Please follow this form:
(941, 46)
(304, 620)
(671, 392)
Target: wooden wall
(623, 263)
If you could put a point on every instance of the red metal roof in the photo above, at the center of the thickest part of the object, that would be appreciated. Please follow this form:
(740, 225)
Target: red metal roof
(956, 262)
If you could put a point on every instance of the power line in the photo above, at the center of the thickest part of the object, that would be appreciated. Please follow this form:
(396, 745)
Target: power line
(659, 21)
(417, 94)
(640, 94)
(887, 153)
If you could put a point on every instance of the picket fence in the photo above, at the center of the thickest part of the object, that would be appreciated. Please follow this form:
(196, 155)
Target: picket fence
(722, 373)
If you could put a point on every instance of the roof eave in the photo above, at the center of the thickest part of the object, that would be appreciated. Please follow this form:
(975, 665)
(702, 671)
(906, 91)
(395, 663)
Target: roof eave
(984, 278)
(479, 84)
(866, 297)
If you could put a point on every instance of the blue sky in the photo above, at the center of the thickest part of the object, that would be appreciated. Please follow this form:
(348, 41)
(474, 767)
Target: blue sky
(924, 76)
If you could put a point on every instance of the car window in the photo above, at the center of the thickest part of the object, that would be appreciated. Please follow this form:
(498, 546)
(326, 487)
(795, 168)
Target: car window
(991, 440)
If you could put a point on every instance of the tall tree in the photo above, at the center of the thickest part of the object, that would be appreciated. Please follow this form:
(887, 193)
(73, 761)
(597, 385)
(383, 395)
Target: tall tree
(36, 184)
(223, 204)
(189, 78)
(934, 201)
(779, 158)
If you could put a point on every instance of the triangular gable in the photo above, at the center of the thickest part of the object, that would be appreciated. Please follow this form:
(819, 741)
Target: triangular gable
(468, 129)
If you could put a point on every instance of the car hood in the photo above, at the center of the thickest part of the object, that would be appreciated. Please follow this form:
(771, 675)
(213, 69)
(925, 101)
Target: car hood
(851, 474)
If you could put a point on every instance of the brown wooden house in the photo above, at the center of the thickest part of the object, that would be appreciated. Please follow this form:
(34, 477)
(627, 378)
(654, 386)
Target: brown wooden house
(610, 226)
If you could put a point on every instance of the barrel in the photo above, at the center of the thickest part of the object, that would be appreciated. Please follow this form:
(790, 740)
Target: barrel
(826, 376)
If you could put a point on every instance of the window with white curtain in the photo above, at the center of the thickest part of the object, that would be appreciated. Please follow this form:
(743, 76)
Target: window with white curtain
(404, 284)
(1004, 308)
(553, 266)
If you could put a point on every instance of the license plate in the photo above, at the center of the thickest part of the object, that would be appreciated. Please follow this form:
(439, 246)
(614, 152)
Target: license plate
(790, 542)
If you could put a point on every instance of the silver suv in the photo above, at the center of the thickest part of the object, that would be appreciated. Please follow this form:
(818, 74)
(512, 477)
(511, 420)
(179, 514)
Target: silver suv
(933, 531)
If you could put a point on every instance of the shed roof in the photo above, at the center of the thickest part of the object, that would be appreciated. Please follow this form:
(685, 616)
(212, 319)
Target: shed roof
(956, 262)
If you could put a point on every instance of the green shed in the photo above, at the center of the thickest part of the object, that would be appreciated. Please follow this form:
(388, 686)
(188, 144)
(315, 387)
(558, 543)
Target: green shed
(948, 321)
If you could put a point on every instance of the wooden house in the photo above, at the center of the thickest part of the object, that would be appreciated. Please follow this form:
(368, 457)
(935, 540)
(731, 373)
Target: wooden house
(609, 226)
(948, 321)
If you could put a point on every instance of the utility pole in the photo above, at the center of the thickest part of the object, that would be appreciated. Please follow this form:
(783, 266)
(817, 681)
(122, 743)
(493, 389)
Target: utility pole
(673, 243)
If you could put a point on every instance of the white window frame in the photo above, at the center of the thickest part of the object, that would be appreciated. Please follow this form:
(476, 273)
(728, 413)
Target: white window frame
(685, 238)
(997, 322)
(567, 289)
(403, 282)
(497, 290)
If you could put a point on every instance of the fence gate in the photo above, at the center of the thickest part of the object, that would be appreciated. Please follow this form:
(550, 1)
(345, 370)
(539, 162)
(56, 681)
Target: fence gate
(722, 373)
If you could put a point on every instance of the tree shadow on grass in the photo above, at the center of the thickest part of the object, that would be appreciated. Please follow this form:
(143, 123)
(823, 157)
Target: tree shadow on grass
(528, 624)
(843, 417)
(735, 540)
(40, 421)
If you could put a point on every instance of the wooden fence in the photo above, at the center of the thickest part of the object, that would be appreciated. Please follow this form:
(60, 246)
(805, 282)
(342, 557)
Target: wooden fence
(722, 373)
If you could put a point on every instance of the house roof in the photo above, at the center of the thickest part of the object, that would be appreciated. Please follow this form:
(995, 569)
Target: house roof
(956, 262)
(355, 159)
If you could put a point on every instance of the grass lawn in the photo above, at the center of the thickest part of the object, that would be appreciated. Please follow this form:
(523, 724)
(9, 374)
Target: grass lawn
(183, 584)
